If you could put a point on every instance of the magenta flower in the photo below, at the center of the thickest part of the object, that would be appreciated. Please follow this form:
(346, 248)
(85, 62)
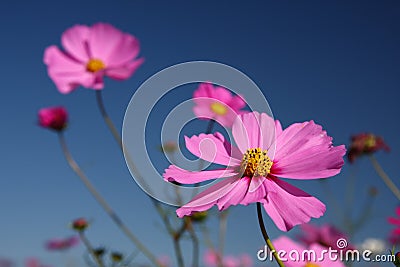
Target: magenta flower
(326, 235)
(217, 103)
(90, 54)
(212, 259)
(314, 256)
(394, 237)
(302, 151)
(57, 244)
(364, 144)
(54, 118)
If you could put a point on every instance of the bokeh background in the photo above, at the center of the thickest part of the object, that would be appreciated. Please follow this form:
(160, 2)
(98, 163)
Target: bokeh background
(335, 62)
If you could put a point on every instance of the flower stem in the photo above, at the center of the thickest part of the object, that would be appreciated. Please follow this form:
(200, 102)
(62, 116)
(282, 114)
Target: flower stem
(266, 237)
(75, 167)
(90, 249)
(223, 222)
(136, 173)
(386, 179)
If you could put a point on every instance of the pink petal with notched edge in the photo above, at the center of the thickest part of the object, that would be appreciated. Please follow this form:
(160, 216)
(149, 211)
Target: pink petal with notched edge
(111, 45)
(125, 71)
(289, 206)
(176, 174)
(74, 40)
(211, 148)
(304, 151)
(66, 73)
(254, 130)
(208, 198)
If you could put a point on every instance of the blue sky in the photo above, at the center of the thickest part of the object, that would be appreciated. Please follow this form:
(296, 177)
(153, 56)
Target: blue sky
(334, 62)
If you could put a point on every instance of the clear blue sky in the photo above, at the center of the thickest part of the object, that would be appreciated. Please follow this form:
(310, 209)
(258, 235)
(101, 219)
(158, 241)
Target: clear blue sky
(335, 62)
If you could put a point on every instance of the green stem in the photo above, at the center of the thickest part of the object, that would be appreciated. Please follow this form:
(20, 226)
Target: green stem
(386, 179)
(266, 237)
(75, 167)
(137, 175)
(90, 249)
(223, 222)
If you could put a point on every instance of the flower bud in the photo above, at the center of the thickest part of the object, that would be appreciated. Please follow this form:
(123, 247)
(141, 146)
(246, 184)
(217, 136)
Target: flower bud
(80, 224)
(116, 257)
(53, 118)
(99, 252)
(199, 216)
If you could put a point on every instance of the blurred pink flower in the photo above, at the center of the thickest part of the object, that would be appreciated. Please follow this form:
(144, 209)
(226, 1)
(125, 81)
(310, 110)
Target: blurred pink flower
(289, 259)
(301, 151)
(57, 244)
(394, 237)
(90, 54)
(326, 235)
(217, 103)
(6, 263)
(365, 143)
(211, 259)
(33, 262)
(164, 260)
(54, 118)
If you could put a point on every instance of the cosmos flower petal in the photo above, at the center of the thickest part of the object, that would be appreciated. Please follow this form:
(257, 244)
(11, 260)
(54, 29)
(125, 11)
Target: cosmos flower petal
(212, 148)
(66, 73)
(278, 128)
(74, 40)
(208, 198)
(217, 103)
(124, 72)
(176, 174)
(254, 130)
(289, 206)
(124, 51)
(304, 151)
(237, 102)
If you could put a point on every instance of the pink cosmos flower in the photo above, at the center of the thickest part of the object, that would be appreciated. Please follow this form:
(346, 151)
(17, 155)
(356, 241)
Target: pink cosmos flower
(394, 237)
(62, 244)
(326, 235)
(90, 54)
(217, 103)
(294, 254)
(54, 118)
(211, 259)
(301, 151)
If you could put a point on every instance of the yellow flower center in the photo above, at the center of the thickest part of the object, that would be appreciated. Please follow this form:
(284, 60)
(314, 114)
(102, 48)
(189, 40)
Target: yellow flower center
(309, 264)
(370, 142)
(256, 163)
(218, 108)
(94, 65)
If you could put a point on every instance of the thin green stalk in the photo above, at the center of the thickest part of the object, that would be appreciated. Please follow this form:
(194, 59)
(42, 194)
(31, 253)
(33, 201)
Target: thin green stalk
(386, 179)
(75, 167)
(90, 249)
(266, 237)
(137, 175)
(223, 223)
